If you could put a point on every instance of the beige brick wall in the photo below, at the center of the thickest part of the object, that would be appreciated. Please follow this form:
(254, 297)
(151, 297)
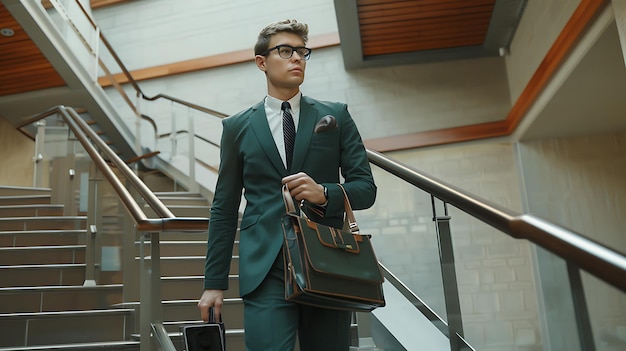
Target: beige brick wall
(495, 278)
(16, 153)
(383, 101)
(541, 24)
(580, 182)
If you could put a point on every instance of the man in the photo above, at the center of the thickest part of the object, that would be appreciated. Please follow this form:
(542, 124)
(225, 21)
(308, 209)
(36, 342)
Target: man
(254, 158)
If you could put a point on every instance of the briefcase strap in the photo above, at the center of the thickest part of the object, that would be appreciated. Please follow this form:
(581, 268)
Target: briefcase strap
(290, 207)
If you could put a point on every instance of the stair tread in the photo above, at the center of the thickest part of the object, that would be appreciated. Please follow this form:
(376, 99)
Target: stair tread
(38, 206)
(41, 218)
(25, 196)
(46, 247)
(60, 288)
(108, 345)
(51, 265)
(227, 301)
(43, 231)
(51, 314)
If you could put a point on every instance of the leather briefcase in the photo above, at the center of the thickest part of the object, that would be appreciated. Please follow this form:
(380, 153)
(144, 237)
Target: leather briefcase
(209, 336)
(329, 267)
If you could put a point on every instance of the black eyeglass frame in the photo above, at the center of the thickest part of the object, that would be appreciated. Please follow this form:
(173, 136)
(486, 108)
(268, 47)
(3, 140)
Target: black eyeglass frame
(293, 49)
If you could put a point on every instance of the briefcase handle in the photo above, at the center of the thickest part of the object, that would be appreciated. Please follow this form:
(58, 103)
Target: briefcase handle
(349, 217)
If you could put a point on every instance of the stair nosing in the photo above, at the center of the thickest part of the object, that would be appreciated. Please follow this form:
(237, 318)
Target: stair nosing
(46, 266)
(59, 287)
(52, 314)
(48, 247)
(72, 346)
(42, 218)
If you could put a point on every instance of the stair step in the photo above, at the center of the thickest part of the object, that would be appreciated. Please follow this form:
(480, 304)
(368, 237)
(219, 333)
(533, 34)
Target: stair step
(170, 248)
(24, 199)
(184, 201)
(183, 210)
(59, 298)
(176, 266)
(42, 222)
(18, 238)
(184, 236)
(187, 310)
(185, 287)
(42, 274)
(234, 337)
(7, 190)
(24, 255)
(45, 328)
(31, 210)
(129, 345)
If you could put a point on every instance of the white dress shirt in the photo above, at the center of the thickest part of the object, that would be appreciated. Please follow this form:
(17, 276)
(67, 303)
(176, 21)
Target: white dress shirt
(275, 120)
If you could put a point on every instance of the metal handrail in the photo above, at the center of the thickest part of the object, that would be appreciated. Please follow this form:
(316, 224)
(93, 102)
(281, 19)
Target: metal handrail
(597, 259)
(133, 82)
(167, 221)
(86, 136)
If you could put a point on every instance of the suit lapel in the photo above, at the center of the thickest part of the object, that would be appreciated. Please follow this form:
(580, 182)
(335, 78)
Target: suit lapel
(308, 117)
(258, 121)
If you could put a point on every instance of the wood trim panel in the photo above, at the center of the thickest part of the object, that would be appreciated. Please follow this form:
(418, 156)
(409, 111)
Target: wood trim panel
(563, 45)
(102, 3)
(230, 58)
(93, 3)
(584, 14)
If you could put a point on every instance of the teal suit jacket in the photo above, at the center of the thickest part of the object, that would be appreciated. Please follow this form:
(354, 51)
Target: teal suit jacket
(250, 162)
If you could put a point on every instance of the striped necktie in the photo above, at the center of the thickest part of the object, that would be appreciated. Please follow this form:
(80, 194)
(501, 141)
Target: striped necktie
(289, 132)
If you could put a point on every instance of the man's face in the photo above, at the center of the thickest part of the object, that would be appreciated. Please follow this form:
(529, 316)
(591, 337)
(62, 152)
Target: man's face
(283, 73)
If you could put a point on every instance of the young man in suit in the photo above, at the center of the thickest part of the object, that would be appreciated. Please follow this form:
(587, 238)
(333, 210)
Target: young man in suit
(254, 159)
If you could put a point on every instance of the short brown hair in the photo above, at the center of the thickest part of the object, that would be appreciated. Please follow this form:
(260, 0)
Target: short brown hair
(290, 26)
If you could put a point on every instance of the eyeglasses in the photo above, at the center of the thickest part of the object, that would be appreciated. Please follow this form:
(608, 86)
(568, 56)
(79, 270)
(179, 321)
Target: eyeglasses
(286, 51)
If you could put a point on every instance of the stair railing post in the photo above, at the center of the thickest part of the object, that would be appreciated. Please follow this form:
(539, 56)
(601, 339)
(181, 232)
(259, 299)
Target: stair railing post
(40, 141)
(150, 309)
(92, 226)
(448, 273)
(583, 320)
(193, 185)
(137, 109)
(173, 131)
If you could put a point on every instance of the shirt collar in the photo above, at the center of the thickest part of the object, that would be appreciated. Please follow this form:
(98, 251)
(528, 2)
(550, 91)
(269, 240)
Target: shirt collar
(276, 104)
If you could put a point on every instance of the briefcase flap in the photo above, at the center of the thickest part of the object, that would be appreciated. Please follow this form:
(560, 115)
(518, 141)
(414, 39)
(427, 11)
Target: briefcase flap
(325, 256)
(335, 238)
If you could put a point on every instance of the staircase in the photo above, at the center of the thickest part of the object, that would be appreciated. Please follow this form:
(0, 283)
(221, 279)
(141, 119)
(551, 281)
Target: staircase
(182, 272)
(46, 304)
(43, 303)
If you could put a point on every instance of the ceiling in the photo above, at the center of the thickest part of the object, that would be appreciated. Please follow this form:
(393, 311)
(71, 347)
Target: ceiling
(372, 33)
(388, 32)
(24, 68)
(382, 32)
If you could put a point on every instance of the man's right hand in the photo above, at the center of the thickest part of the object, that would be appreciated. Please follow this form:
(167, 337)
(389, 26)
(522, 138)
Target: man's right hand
(211, 298)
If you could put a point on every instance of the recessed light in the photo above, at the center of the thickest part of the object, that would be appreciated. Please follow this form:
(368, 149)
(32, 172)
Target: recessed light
(7, 32)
